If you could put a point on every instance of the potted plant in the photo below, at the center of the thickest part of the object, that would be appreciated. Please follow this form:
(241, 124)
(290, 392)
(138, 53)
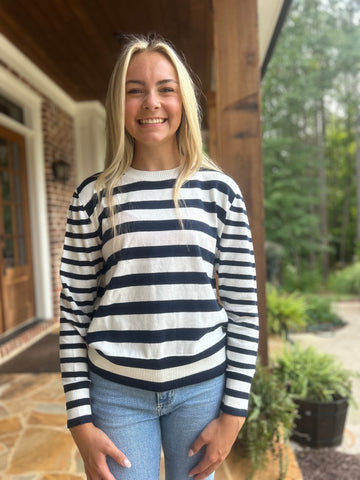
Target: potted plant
(268, 424)
(321, 390)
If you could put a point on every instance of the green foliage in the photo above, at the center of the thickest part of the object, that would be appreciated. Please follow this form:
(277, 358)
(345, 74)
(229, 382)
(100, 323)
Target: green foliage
(307, 280)
(312, 375)
(346, 280)
(270, 420)
(285, 311)
(310, 98)
(319, 313)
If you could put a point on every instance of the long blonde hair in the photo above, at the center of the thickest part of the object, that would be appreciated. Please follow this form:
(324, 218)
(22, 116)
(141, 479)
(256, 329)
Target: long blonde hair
(120, 144)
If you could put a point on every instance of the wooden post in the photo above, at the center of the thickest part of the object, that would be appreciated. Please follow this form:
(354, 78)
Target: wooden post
(239, 137)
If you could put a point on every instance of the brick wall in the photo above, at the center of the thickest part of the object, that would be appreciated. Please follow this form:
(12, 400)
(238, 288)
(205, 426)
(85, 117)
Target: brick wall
(58, 135)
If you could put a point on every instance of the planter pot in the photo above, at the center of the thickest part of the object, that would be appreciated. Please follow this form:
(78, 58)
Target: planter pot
(320, 424)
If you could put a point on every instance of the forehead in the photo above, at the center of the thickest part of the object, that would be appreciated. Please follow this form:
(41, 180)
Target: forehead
(151, 63)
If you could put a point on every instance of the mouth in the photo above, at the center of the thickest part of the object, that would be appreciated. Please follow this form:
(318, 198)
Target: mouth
(151, 121)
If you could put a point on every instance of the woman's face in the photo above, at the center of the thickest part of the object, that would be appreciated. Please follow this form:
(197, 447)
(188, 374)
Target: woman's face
(153, 105)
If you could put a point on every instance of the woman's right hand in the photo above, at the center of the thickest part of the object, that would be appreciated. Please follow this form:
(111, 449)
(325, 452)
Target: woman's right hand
(94, 446)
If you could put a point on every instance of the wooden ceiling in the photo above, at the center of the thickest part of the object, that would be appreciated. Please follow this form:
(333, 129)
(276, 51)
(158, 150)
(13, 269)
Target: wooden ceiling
(75, 41)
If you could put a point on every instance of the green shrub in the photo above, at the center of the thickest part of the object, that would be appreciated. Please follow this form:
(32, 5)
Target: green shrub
(311, 375)
(346, 281)
(269, 422)
(285, 311)
(319, 313)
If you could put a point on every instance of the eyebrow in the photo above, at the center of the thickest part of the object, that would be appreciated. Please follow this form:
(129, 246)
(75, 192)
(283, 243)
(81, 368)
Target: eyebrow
(160, 82)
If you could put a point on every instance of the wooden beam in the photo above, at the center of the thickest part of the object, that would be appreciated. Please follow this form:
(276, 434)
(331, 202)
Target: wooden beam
(238, 124)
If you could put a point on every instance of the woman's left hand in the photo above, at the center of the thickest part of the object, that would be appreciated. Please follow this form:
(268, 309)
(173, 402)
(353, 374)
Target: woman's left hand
(219, 436)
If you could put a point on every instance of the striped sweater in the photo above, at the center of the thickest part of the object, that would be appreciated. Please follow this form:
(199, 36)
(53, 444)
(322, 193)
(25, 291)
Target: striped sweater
(140, 306)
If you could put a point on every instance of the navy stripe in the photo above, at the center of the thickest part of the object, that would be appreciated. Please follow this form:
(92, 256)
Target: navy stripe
(155, 307)
(74, 324)
(170, 251)
(79, 421)
(82, 235)
(236, 393)
(243, 366)
(72, 248)
(246, 338)
(164, 386)
(79, 290)
(76, 386)
(82, 263)
(241, 238)
(238, 302)
(79, 303)
(158, 226)
(236, 412)
(73, 374)
(167, 278)
(79, 276)
(71, 221)
(78, 403)
(238, 289)
(72, 346)
(149, 336)
(167, 362)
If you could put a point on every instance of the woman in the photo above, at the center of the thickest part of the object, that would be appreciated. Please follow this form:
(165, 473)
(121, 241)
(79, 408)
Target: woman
(153, 353)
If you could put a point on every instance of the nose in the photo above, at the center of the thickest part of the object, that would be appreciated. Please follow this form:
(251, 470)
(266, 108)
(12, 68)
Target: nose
(151, 101)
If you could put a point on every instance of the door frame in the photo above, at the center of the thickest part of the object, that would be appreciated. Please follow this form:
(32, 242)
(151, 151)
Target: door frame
(31, 102)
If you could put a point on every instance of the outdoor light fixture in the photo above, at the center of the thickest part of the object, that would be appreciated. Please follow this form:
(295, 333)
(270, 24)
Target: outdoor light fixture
(61, 170)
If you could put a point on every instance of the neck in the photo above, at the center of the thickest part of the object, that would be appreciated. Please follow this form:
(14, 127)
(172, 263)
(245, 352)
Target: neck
(156, 158)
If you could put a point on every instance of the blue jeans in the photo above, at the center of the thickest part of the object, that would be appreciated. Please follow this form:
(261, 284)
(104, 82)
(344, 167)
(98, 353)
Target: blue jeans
(139, 422)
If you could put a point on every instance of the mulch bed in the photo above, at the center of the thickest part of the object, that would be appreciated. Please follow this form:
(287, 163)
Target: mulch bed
(328, 464)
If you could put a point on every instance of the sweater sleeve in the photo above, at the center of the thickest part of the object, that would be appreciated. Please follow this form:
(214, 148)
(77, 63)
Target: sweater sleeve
(81, 265)
(235, 267)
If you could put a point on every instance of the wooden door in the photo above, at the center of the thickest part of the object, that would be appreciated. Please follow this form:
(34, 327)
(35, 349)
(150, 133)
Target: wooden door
(16, 276)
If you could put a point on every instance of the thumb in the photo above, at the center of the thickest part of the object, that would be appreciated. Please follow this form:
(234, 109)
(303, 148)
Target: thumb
(118, 456)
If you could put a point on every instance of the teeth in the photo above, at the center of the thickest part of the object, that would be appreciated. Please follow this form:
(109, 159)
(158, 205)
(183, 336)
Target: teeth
(152, 120)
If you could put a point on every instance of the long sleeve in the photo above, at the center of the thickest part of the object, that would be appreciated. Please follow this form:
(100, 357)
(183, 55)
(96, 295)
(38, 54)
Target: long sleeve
(237, 292)
(80, 268)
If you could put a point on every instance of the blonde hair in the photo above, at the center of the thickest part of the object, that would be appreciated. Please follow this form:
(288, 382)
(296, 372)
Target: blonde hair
(120, 144)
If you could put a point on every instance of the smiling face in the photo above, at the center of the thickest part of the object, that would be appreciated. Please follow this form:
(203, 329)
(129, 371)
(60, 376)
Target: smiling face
(153, 106)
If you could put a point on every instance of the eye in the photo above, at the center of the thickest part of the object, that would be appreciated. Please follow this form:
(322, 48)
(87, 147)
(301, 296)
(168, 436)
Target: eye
(134, 91)
(167, 90)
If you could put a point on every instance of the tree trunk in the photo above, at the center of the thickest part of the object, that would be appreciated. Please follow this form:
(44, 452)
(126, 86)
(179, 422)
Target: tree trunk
(357, 142)
(321, 131)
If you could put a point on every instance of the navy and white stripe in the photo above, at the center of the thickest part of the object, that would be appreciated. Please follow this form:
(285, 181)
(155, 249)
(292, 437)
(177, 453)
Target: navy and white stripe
(141, 307)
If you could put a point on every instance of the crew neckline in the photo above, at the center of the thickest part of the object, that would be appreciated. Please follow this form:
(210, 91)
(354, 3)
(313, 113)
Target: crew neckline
(152, 174)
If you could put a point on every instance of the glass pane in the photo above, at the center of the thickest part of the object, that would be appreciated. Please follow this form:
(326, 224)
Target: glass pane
(3, 153)
(8, 225)
(5, 185)
(11, 109)
(8, 253)
(19, 221)
(17, 188)
(15, 151)
(22, 251)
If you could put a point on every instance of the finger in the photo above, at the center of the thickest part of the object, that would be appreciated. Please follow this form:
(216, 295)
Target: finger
(202, 466)
(197, 445)
(118, 456)
(204, 475)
